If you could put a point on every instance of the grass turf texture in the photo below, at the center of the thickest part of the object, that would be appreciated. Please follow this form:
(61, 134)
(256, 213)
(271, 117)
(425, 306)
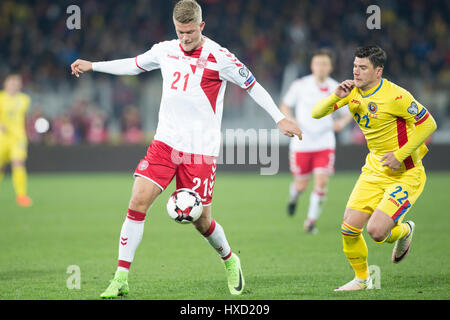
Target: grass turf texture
(76, 220)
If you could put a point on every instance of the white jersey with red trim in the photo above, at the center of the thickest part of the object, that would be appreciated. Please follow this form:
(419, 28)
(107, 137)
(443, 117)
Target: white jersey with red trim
(318, 134)
(194, 84)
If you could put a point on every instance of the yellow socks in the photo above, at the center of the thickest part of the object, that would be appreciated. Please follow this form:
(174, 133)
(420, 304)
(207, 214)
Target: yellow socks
(19, 179)
(355, 250)
(397, 232)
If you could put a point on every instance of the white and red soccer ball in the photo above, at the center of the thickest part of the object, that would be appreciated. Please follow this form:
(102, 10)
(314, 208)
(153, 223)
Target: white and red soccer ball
(184, 206)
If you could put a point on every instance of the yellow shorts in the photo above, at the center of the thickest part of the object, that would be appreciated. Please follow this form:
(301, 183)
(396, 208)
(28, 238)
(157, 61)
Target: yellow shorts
(393, 195)
(12, 150)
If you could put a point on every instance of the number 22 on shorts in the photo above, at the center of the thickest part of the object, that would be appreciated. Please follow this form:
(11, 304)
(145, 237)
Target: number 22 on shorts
(397, 190)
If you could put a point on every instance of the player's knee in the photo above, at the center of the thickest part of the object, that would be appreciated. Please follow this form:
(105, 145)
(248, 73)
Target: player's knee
(377, 233)
(301, 185)
(140, 202)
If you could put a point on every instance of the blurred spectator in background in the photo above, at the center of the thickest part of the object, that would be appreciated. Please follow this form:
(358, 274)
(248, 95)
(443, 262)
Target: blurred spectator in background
(131, 126)
(274, 36)
(63, 130)
(95, 122)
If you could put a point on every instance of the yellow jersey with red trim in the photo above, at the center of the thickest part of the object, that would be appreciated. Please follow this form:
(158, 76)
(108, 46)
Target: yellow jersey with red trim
(13, 109)
(387, 115)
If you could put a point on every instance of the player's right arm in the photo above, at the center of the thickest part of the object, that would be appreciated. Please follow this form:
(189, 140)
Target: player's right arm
(129, 66)
(286, 110)
(338, 99)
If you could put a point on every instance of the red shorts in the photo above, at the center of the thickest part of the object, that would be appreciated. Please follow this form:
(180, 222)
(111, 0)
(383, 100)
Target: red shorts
(303, 163)
(196, 172)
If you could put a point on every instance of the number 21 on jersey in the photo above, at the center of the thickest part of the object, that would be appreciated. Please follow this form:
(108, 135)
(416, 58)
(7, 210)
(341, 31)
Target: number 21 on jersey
(177, 77)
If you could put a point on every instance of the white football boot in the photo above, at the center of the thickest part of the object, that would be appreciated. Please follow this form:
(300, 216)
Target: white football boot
(357, 284)
(402, 246)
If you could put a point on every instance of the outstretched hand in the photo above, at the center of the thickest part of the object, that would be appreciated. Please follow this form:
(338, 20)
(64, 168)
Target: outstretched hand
(80, 66)
(290, 128)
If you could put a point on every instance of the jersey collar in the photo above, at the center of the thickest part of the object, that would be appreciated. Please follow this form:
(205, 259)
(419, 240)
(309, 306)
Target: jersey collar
(194, 53)
(371, 91)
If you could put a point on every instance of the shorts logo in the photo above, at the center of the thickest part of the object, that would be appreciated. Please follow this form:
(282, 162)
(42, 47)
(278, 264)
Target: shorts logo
(393, 201)
(413, 109)
(143, 165)
(243, 72)
(372, 107)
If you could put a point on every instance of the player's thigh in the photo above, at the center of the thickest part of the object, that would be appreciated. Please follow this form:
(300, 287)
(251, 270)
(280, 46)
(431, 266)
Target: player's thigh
(321, 180)
(158, 165)
(300, 164)
(143, 194)
(301, 183)
(366, 194)
(401, 195)
(19, 152)
(5, 152)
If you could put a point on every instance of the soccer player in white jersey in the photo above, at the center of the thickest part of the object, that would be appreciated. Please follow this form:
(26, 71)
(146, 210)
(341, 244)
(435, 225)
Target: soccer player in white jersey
(195, 71)
(315, 153)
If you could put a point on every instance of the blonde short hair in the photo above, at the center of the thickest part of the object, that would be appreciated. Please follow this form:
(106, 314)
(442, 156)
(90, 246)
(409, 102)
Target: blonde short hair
(186, 11)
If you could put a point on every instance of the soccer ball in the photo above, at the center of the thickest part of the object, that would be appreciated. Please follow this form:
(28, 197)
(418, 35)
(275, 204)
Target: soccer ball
(184, 206)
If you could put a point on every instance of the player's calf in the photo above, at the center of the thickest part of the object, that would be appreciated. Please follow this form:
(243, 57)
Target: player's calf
(204, 222)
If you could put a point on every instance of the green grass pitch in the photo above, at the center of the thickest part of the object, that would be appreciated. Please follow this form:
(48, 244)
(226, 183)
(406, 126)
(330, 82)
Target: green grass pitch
(76, 220)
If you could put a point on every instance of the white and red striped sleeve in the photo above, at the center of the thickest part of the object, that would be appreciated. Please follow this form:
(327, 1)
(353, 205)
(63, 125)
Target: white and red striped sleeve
(149, 60)
(231, 69)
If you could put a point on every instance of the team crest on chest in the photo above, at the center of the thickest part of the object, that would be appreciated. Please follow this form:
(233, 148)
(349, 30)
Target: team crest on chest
(413, 109)
(372, 107)
(201, 62)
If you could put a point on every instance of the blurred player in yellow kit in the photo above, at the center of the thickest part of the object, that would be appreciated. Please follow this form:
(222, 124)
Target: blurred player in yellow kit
(395, 126)
(13, 140)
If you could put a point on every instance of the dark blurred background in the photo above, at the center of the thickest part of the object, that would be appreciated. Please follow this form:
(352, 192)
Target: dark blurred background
(273, 38)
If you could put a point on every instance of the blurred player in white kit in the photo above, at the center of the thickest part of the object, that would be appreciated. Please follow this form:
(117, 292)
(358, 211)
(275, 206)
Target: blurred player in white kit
(195, 71)
(315, 153)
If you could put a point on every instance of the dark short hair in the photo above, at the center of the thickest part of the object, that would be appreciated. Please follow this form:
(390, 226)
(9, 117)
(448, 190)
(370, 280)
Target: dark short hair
(375, 54)
(323, 52)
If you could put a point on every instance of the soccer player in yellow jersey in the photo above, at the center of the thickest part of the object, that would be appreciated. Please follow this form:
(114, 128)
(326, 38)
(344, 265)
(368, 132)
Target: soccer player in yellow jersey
(13, 140)
(395, 126)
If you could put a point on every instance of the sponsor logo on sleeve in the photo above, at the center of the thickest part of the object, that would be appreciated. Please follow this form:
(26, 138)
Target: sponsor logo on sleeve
(244, 72)
(249, 81)
(421, 114)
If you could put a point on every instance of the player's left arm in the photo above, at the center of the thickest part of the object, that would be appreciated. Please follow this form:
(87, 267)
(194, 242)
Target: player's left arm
(287, 125)
(410, 110)
(231, 69)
